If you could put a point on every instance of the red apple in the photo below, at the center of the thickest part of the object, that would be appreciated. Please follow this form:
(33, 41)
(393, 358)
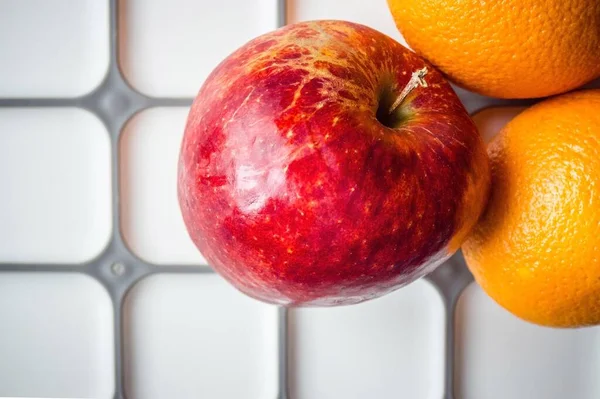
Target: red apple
(325, 164)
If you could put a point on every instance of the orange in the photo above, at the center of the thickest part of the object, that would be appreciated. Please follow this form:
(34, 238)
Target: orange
(506, 48)
(536, 248)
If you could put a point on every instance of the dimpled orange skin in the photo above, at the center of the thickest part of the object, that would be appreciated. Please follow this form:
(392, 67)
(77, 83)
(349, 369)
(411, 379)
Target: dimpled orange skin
(506, 48)
(536, 249)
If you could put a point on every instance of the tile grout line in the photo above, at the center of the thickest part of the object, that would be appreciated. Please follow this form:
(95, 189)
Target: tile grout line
(114, 70)
(450, 279)
(282, 347)
(283, 313)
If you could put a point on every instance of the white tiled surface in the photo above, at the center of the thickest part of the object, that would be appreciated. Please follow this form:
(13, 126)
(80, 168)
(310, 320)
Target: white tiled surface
(151, 221)
(55, 180)
(168, 47)
(499, 356)
(196, 337)
(390, 346)
(52, 47)
(56, 337)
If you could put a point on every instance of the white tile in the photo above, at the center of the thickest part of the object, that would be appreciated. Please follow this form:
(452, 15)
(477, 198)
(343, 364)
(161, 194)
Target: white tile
(491, 120)
(500, 356)
(56, 336)
(371, 13)
(388, 347)
(152, 224)
(197, 337)
(168, 47)
(55, 180)
(52, 47)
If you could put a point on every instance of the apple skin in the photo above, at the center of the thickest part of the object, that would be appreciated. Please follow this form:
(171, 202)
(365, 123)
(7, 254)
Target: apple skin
(298, 195)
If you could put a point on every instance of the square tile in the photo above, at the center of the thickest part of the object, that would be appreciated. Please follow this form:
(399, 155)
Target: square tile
(168, 48)
(55, 176)
(53, 48)
(500, 356)
(194, 336)
(56, 337)
(388, 347)
(152, 224)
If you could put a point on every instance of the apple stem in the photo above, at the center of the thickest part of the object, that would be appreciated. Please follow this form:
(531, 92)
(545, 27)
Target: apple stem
(417, 79)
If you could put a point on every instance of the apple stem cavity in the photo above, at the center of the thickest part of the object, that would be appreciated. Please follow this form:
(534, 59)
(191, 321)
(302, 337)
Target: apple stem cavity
(417, 79)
